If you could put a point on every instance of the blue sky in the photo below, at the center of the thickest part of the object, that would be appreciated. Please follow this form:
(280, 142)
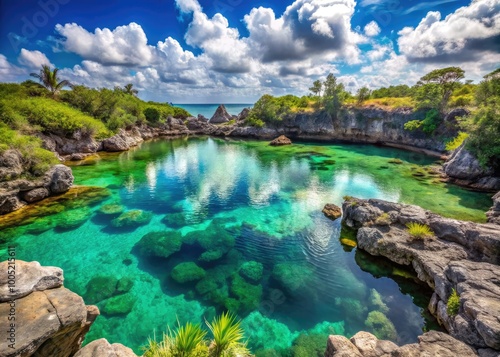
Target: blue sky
(195, 51)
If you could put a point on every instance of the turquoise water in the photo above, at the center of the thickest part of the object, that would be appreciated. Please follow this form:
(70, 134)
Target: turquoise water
(208, 110)
(249, 216)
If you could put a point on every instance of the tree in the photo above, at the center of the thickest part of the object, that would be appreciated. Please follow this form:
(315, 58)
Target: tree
(316, 89)
(447, 79)
(363, 94)
(50, 80)
(334, 95)
(128, 89)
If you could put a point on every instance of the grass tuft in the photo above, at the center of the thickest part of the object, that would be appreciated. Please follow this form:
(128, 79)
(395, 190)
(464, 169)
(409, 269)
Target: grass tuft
(419, 231)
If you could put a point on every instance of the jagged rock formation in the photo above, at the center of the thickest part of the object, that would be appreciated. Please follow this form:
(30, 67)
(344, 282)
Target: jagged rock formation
(17, 192)
(280, 141)
(364, 344)
(464, 169)
(463, 256)
(494, 213)
(332, 211)
(221, 115)
(49, 319)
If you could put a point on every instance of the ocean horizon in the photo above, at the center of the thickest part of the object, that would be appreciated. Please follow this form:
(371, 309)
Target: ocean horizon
(208, 110)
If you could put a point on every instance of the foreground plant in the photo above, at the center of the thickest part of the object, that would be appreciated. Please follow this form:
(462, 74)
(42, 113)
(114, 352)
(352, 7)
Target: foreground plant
(189, 340)
(419, 231)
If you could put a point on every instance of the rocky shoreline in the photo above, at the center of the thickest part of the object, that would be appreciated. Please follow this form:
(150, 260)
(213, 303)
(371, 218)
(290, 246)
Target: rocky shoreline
(365, 125)
(461, 256)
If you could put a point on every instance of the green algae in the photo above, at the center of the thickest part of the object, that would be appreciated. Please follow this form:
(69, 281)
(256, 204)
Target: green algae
(160, 244)
(292, 277)
(187, 272)
(132, 219)
(381, 326)
(252, 271)
(118, 305)
(112, 209)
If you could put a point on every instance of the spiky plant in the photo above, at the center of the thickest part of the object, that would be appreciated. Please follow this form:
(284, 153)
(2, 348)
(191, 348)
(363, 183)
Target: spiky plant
(188, 340)
(49, 79)
(419, 231)
(158, 349)
(228, 335)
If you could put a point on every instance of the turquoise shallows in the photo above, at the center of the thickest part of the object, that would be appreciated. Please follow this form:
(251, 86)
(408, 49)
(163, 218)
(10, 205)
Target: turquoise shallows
(188, 228)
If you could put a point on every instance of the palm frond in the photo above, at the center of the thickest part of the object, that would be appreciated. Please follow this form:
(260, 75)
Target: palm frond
(227, 332)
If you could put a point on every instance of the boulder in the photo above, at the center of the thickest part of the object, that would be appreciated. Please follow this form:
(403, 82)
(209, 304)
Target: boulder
(61, 178)
(280, 140)
(435, 343)
(340, 346)
(36, 194)
(494, 213)
(332, 211)
(221, 115)
(9, 202)
(115, 143)
(29, 277)
(102, 348)
(10, 165)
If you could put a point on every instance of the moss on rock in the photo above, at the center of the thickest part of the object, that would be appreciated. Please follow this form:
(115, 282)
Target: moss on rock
(118, 305)
(381, 326)
(112, 209)
(252, 271)
(292, 277)
(133, 218)
(160, 244)
(175, 220)
(187, 272)
(248, 295)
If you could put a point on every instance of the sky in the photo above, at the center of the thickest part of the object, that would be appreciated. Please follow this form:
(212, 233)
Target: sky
(234, 51)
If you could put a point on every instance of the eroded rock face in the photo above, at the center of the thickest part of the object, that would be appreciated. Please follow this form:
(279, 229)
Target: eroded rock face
(50, 319)
(36, 194)
(61, 179)
(102, 348)
(463, 256)
(494, 213)
(10, 165)
(221, 115)
(332, 211)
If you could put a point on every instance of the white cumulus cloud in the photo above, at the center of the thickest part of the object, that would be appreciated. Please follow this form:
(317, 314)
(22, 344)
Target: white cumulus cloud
(372, 29)
(33, 59)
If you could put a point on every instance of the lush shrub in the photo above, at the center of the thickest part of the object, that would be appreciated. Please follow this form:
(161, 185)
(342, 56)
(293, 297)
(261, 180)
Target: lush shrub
(428, 125)
(455, 143)
(152, 114)
(419, 231)
(269, 109)
(453, 304)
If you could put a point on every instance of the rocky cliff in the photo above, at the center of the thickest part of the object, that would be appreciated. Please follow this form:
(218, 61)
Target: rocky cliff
(463, 256)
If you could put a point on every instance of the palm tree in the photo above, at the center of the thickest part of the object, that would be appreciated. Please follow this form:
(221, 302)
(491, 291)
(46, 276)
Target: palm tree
(128, 89)
(49, 79)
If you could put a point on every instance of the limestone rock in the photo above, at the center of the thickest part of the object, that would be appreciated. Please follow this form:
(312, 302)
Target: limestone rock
(435, 343)
(9, 202)
(340, 346)
(221, 115)
(29, 277)
(10, 165)
(102, 348)
(61, 178)
(371, 346)
(494, 213)
(332, 211)
(280, 140)
(115, 143)
(36, 194)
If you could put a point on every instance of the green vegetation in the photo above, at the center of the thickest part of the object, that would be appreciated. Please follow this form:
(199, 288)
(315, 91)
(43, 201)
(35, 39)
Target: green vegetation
(457, 141)
(271, 110)
(453, 304)
(187, 272)
(228, 336)
(49, 79)
(419, 231)
(362, 95)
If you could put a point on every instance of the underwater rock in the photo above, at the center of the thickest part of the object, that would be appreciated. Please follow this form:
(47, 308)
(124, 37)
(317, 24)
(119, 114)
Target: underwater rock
(187, 272)
(102, 348)
(281, 140)
(112, 209)
(160, 244)
(377, 303)
(175, 220)
(381, 326)
(332, 211)
(292, 277)
(265, 333)
(248, 295)
(124, 285)
(73, 219)
(216, 240)
(308, 345)
(118, 305)
(252, 271)
(134, 218)
(103, 287)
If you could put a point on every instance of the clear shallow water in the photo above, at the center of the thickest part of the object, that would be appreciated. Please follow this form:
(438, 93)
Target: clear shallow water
(208, 110)
(236, 202)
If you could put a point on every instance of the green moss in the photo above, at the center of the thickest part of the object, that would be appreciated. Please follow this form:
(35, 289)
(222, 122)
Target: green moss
(383, 220)
(124, 285)
(187, 272)
(216, 240)
(292, 276)
(248, 295)
(265, 333)
(134, 218)
(73, 219)
(453, 304)
(112, 209)
(175, 220)
(252, 271)
(419, 231)
(307, 345)
(100, 288)
(160, 244)
(381, 326)
(395, 161)
(118, 305)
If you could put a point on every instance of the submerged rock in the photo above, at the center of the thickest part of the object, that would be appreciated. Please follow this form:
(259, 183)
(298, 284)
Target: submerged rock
(112, 209)
(130, 219)
(119, 305)
(332, 211)
(160, 244)
(187, 272)
(252, 271)
(292, 277)
(221, 115)
(281, 140)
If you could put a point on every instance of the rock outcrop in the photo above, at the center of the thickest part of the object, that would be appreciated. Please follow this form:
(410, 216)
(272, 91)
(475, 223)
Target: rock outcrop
(332, 211)
(49, 320)
(280, 141)
(494, 213)
(462, 255)
(364, 344)
(464, 169)
(102, 348)
(221, 115)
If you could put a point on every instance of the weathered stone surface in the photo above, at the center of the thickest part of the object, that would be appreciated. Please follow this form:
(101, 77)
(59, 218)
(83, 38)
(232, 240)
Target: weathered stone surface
(494, 213)
(29, 277)
(102, 348)
(370, 346)
(10, 202)
(50, 319)
(221, 115)
(10, 165)
(280, 141)
(463, 256)
(340, 346)
(435, 343)
(332, 211)
(36, 194)
(115, 143)
(61, 179)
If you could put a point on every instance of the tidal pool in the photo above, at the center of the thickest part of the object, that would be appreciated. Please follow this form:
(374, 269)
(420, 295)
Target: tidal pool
(183, 229)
